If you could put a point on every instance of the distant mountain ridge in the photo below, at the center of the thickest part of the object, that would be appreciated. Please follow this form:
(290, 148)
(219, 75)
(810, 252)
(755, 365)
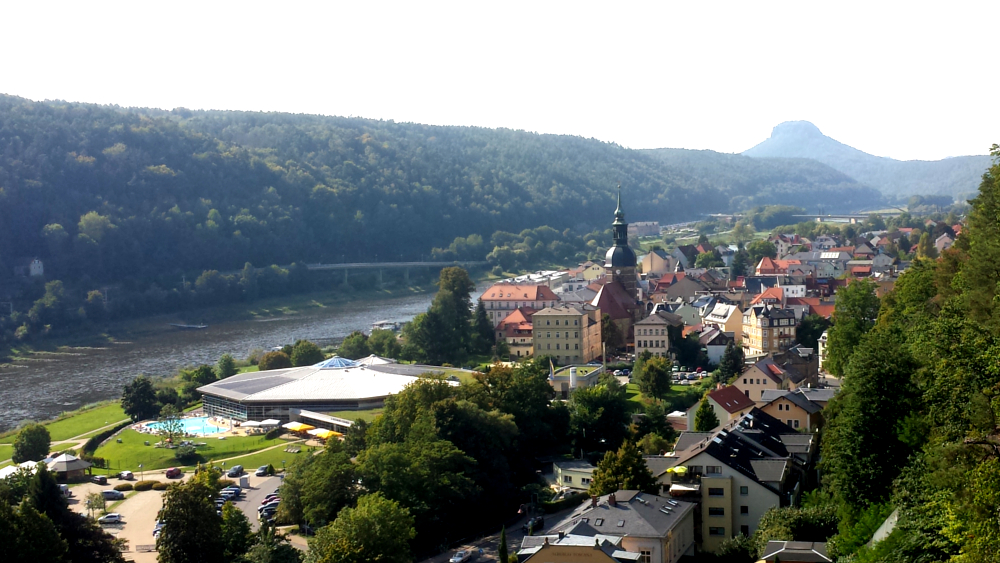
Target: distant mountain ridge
(957, 176)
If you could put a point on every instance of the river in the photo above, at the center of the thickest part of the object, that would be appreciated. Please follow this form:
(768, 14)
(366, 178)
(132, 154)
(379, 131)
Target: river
(45, 387)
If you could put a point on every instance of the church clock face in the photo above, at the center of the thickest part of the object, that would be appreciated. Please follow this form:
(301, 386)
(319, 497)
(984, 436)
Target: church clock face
(618, 271)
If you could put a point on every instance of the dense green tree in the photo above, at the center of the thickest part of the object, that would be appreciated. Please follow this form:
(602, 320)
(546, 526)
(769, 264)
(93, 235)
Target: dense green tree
(274, 360)
(709, 259)
(926, 248)
(355, 346)
(28, 535)
(731, 363)
(757, 250)
(623, 470)
(192, 532)
(226, 367)
(328, 486)
(502, 548)
(296, 480)
(742, 233)
(654, 444)
(811, 329)
(31, 444)
(878, 393)
(482, 330)
(237, 536)
(611, 334)
(384, 343)
(854, 315)
(653, 377)
(739, 265)
(705, 419)
(271, 547)
(599, 416)
(653, 421)
(305, 353)
(355, 440)
(377, 529)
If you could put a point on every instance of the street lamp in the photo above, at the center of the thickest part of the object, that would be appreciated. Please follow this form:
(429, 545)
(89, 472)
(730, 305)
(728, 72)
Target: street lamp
(140, 472)
(282, 469)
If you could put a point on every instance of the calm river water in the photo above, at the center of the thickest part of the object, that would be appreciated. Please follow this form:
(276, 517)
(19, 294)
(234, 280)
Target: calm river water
(44, 389)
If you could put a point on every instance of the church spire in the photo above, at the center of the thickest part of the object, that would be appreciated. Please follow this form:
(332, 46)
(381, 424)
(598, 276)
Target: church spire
(619, 214)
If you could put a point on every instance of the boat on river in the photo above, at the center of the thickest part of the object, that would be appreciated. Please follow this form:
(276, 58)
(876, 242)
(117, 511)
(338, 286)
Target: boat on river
(387, 325)
(188, 327)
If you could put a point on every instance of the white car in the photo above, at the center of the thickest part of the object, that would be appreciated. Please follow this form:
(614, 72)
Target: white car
(460, 557)
(112, 518)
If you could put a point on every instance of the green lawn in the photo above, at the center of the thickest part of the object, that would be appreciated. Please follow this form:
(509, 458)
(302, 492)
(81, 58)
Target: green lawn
(79, 422)
(131, 452)
(366, 415)
(5, 451)
(248, 369)
(273, 457)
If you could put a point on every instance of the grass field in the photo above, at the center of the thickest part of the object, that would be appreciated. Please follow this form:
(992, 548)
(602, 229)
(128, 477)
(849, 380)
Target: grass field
(5, 451)
(79, 422)
(131, 452)
(273, 457)
(367, 415)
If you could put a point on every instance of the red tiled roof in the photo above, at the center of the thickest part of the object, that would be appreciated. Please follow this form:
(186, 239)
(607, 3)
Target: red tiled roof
(825, 311)
(775, 369)
(848, 249)
(770, 293)
(511, 292)
(861, 269)
(731, 399)
(670, 279)
(519, 315)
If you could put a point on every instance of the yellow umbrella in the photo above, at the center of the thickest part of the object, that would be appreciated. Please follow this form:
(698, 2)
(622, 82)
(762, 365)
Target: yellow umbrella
(322, 433)
(680, 470)
(297, 427)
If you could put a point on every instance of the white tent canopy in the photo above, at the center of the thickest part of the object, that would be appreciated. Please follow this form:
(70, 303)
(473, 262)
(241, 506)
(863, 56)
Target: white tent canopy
(250, 424)
(270, 422)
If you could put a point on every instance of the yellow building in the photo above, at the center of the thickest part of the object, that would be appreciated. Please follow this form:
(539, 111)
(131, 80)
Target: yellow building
(727, 318)
(767, 329)
(570, 333)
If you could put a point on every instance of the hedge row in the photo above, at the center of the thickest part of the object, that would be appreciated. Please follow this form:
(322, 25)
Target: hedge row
(95, 440)
(568, 501)
(160, 486)
(144, 485)
(124, 487)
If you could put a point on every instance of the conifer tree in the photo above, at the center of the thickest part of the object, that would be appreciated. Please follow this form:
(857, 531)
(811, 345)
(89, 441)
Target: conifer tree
(623, 470)
(705, 419)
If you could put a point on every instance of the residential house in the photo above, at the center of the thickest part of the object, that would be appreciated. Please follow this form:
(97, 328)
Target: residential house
(31, 267)
(659, 529)
(568, 378)
(591, 271)
(796, 552)
(516, 329)
(502, 298)
(684, 288)
(573, 474)
(729, 404)
(574, 548)
(570, 333)
(658, 262)
(685, 255)
(651, 333)
(767, 328)
(793, 408)
(736, 474)
(779, 371)
(715, 342)
(823, 242)
(644, 229)
(944, 242)
(727, 318)
(882, 263)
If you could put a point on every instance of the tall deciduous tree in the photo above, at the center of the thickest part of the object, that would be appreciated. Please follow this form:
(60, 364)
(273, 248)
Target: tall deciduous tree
(811, 329)
(378, 529)
(623, 470)
(236, 533)
(306, 353)
(654, 377)
(355, 346)
(599, 416)
(611, 334)
(483, 336)
(384, 343)
(274, 360)
(32, 444)
(226, 367)
(705, 419)
(854, 315)
(192, 531)
(757, 250)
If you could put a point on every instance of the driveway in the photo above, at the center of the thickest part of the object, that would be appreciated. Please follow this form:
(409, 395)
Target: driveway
(260, 487)
(139, 516)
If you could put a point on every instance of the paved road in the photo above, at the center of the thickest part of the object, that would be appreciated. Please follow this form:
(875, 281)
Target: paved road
(489, 544)
(260, 487)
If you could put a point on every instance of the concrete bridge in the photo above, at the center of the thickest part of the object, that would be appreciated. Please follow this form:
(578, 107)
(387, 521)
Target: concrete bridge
(852, 218)
(381, 266)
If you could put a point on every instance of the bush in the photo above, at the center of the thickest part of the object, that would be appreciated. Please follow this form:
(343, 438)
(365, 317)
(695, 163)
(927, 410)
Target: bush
(274, 360)
(273, 434)
(160, 486)
(123, 487)
(270, 469)
(223, 483)
(95, 440)
(186, 454)
(144, 485)
(570, 500)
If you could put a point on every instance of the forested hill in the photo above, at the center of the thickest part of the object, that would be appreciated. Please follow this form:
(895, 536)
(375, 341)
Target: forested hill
(786, 181)
(112, 193)
(958, 176)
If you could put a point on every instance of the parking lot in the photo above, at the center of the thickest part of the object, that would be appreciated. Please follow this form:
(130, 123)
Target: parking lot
(260, 487)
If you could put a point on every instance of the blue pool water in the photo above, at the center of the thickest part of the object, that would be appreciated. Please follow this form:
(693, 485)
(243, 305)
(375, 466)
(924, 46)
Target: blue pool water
(198, 426)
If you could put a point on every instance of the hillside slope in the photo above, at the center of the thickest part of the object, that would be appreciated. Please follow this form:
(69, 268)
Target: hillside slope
(113, 193)
(958, 176)
(787, 181)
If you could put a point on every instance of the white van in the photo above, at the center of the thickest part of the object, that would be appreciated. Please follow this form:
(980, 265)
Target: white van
(65, 491)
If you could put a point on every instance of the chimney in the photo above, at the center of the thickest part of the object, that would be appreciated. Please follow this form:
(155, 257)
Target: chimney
(593, 502)
(562, 535)
(612, 501)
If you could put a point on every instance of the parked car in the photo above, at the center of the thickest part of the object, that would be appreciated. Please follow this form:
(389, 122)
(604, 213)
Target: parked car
(112, 518)
(269, 506)
(618, 372)
(126, 475)
(267, 515)
(261, 471)
(533, 525)
(174, 473)
(99, 479)
(460, 557)
(112, 495)
(626, 372)
(269, 498)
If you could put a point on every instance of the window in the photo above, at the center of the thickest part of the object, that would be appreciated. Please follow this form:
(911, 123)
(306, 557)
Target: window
(748, 393)
(575, 334)
(716, 492)
(744, 491)
(599, 522)
(744, 509)
(744, 381)
(745, 530)
(716, 511)
(796, 425)
(557, 345)
(714, 531)
(789, 422)
(567, 478)
(548, 346)
(764, 333)
(695, 469)
(645, 556)
(557, 324)
(576, 346)
(586, 481)
(546, 322)
(576, 322)
(548, 335)
(713, 469)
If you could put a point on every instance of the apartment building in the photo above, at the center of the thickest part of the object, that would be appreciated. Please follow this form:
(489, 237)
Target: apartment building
(503, 298)
(570, 333)
(767, 329)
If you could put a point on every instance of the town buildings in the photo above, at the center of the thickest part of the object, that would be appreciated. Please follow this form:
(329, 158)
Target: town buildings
(502, 299)
(651, 333)
(569, 333)
(767, 329)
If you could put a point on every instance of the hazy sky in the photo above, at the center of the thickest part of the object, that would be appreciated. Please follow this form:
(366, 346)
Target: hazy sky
(908, 80)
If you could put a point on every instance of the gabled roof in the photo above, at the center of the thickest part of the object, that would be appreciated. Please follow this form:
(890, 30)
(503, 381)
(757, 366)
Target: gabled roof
(516, 292)
(518, 316)
(776, 293)
(628, 513)
(614, 301)
(806, 552)
(797, 399)
(660, 318)
(731, 399)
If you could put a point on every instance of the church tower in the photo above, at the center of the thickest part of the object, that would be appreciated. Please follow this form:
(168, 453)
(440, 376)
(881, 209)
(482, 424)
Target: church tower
(620, 261)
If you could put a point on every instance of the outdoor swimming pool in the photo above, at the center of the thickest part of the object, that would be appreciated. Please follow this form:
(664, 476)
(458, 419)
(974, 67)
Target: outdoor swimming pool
(199, 426)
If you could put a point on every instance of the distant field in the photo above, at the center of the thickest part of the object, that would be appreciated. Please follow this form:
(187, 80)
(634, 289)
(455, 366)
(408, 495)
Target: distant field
(131, 452)
(79, 422)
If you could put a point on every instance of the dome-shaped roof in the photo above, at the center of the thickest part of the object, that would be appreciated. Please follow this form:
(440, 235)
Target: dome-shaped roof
(337, 362)
(619, 256)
